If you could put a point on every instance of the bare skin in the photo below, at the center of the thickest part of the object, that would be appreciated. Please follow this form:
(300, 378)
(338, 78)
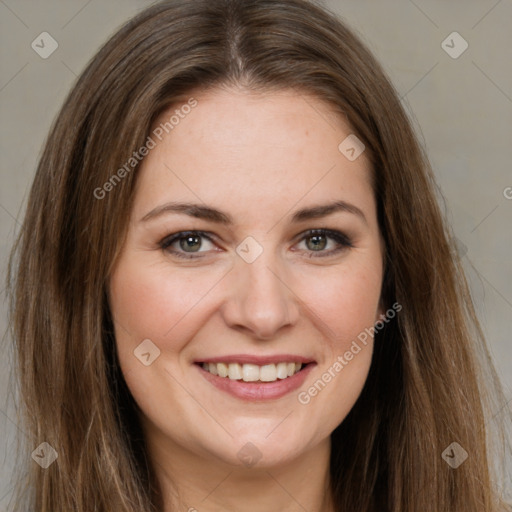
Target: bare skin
(259, 158)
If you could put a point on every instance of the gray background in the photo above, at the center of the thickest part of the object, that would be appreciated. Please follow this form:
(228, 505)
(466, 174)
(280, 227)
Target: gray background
(462, 110)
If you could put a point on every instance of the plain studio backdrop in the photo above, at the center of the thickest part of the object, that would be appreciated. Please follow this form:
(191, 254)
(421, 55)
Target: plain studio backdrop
(449, 61)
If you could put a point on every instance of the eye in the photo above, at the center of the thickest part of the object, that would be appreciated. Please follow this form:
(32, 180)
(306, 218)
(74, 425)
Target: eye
(317, 240)
(186, 244)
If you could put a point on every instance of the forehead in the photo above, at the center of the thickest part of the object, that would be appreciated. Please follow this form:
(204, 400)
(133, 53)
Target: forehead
(251, 149)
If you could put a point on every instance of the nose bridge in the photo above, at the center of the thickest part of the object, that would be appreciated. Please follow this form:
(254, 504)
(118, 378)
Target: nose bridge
(259, 300)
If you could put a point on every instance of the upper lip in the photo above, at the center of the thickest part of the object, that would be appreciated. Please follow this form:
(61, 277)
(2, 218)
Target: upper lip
(258, 360)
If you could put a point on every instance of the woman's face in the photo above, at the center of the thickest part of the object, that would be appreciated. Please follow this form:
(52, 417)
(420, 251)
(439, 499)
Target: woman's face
(253, 291)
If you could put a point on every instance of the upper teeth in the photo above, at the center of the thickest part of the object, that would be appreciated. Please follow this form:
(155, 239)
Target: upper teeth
(253, 372)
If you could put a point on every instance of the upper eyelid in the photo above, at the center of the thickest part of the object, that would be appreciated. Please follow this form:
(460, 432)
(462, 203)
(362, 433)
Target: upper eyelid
(170, 239)
(213, 237)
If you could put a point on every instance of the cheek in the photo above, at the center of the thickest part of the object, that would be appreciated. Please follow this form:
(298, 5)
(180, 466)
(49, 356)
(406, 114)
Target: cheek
(347, 305)
(155, 302)
(345, 299)
(149, 300)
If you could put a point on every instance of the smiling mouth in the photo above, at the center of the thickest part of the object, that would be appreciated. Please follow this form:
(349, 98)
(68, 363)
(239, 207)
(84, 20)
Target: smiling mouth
(253, 372)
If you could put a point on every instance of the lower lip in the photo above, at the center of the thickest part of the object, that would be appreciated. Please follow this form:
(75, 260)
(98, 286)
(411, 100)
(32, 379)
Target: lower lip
(258, 391)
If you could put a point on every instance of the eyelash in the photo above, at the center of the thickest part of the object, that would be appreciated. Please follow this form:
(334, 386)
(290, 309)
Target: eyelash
(340, 238)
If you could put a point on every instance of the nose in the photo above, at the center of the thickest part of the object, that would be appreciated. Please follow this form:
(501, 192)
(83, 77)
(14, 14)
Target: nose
(260, 301)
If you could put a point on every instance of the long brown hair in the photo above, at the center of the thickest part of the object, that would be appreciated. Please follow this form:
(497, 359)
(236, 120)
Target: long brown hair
(426, 387)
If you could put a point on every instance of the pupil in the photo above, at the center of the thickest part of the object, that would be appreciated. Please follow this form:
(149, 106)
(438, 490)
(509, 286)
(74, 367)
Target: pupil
(319, 242)
(190, 242)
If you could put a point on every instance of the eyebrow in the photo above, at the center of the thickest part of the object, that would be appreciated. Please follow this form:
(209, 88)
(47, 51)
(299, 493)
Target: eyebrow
(201, 211)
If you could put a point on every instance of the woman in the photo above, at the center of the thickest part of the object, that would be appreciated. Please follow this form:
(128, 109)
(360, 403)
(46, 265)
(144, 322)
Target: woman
(235, 286)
